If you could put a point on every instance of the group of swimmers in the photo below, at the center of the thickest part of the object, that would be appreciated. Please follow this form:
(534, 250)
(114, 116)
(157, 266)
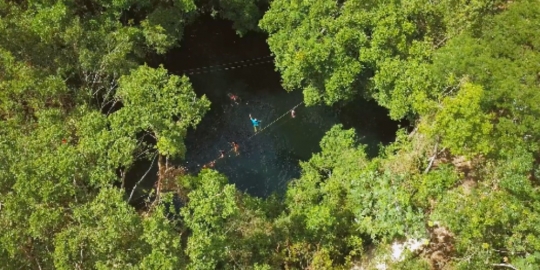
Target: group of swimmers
(254, 121)
(235, 148)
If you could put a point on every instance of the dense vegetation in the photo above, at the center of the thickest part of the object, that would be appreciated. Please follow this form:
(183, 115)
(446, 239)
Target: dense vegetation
(78, 108)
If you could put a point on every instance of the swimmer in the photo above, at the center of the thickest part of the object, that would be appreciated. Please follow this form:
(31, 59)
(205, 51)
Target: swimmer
(293, 113)
(234, 98)
(209, 165)
(222, 154)
(235, 148)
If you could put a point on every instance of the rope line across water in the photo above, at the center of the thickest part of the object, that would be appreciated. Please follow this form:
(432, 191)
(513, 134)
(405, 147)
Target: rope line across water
(229, 66)
(273, 122)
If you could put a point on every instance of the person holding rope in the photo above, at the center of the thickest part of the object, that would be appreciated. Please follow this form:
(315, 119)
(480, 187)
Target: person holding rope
(255, 122)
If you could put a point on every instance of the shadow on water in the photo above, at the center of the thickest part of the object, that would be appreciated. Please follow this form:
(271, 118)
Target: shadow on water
(270, 159)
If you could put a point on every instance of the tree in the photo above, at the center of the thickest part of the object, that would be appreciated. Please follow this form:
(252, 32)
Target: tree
(212, 204)
(158, 105)
(462, 124)
(336, 51)
(77, 110)
(227, 228)
(245, 14)
(501, 63)
(322, 56)
(88, 46)
(340, 202)
(53, 165)
(108, 233)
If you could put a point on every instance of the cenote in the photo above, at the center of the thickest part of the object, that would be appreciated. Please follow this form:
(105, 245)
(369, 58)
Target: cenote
(226, 63)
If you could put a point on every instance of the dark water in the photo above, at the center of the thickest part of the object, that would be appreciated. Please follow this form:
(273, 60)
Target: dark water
(270, 159)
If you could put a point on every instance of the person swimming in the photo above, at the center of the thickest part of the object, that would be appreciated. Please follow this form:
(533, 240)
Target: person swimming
(255, 122)
(234, 98)
(221, 154)
(209, 165)
(235, 148)
(293, 113)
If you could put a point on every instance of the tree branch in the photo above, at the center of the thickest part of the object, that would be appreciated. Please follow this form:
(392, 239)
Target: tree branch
(112, 106)
(507, 265)
(123, 176)
(142, 178)
(413, 132)
(39, 265)
(432, 159)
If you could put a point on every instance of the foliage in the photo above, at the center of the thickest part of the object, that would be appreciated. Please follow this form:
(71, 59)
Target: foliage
(52, 177)
(209, 208)
(244, 14)
(433, 185)
(61, 153)
(163, 106)
(463, 126)
(108, 233)
(323, 53)
(79, 108)
(342, 49)
(342, 201)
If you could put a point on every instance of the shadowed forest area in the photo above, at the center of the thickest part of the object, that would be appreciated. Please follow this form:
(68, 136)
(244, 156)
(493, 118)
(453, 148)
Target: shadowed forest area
(259, 134)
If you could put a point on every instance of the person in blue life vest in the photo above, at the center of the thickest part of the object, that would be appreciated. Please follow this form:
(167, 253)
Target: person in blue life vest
(255, 122)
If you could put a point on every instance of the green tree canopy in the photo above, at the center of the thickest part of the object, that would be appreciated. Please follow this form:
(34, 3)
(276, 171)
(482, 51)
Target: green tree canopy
(158, 104)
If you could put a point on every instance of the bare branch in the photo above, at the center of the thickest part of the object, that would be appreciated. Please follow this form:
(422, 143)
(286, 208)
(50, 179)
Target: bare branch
(108, 97)
(432, 159)
(413, 132)
(82, 257)
(39, 265)
(142, 178)
(123, 176)
(507, 265)
(112, 106)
